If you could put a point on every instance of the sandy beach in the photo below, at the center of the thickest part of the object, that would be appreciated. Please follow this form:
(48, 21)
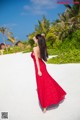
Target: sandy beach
(18, 93)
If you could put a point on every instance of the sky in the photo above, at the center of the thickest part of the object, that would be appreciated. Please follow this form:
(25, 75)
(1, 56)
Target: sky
(21, 16)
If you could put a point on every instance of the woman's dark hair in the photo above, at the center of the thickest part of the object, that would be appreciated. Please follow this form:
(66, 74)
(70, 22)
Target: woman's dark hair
(42, 46)
(0, 46)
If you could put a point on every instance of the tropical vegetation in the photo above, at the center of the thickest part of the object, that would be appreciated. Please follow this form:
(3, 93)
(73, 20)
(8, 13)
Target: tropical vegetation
(62, 36)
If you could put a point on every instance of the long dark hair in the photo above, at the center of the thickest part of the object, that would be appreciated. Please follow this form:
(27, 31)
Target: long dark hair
(42, 46)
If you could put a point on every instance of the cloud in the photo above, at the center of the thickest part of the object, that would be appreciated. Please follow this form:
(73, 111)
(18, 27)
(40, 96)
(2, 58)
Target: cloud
(26, 7)
(10, 25)
(49, 4)
(23, 13)
(40, 7)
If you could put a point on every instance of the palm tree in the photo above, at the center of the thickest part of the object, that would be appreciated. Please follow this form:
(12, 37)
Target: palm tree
(74, 16)
(11, 38)
(68, 21)
(3, 30)
(43, 26)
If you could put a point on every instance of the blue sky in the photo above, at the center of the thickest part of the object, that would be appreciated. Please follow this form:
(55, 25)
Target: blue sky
(21, 16)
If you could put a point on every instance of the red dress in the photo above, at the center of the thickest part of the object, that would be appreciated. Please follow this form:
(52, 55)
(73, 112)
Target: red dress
(49, 91)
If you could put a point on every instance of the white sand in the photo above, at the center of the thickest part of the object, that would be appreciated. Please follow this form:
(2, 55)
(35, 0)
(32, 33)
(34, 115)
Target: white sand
(18, 93)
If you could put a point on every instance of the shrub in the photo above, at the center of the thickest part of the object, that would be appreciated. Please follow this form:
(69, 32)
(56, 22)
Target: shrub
(71, 56)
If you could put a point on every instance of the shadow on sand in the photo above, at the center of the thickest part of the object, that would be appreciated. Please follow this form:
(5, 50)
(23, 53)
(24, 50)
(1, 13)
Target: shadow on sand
(53, 106)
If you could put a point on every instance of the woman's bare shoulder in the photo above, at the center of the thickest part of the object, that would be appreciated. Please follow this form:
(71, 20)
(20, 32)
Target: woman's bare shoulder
(35, 48)
(36, 51)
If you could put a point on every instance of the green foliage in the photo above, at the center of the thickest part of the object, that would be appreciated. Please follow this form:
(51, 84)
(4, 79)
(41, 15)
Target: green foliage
(68, 51)
(53, 51)
(76, 39)
(49, 44)
(57, 44)
(27, 50)
(72, 41)
(24, 42)
(51, 36)
(43, 26)
(15, 49)
(31, 42)
(30, 36)
(71, 56)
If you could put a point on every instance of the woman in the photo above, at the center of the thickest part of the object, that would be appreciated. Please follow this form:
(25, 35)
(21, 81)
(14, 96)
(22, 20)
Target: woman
(49, 91)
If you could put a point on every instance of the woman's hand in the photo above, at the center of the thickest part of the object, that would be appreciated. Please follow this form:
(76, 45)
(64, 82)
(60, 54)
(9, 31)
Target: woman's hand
(39, 73)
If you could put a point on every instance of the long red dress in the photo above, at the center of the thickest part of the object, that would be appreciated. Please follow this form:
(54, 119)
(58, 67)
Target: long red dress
(49, 91)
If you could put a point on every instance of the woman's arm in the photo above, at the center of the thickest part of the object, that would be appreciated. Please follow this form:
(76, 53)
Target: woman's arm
(37, 61)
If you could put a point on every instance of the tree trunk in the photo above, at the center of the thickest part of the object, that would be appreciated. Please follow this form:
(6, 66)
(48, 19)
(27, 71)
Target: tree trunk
(5, 43)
